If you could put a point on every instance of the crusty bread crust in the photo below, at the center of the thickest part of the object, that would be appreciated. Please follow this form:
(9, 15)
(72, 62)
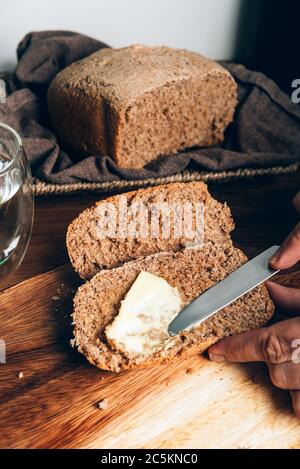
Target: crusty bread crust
(139, 102)
(192, 271)
(89, 254)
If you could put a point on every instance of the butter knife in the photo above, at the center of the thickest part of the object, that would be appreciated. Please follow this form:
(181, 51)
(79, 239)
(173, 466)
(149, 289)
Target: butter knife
(225, 292)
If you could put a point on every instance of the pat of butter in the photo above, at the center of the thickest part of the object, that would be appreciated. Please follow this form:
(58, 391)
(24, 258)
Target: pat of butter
(141, 327)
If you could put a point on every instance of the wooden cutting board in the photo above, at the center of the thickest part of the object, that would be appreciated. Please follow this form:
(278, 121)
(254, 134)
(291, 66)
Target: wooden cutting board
(192, 404)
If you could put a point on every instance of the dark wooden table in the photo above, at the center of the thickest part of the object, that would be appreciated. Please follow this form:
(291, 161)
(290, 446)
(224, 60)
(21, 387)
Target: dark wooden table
(262, 209)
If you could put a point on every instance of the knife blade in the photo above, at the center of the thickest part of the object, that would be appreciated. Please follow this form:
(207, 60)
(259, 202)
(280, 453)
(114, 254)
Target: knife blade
(235, 285)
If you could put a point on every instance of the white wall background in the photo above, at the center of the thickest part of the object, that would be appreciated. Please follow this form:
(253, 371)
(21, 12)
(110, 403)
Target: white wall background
(207, 26)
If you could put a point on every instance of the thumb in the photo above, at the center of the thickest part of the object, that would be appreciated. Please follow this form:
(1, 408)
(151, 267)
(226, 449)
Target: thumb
(286, 299)
(289, 253)
(262, 345)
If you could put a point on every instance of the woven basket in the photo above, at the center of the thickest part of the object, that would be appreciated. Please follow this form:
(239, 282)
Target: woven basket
(44, 188)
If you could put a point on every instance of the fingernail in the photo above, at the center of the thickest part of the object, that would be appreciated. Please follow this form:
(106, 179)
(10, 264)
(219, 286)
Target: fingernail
(217, 358)
(276, 257)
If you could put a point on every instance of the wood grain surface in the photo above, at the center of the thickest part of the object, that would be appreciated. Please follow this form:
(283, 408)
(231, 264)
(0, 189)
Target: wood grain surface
(194, 403)
(191, 404)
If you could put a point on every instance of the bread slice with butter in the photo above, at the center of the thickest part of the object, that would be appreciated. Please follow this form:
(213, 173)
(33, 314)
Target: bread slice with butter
(104, 335)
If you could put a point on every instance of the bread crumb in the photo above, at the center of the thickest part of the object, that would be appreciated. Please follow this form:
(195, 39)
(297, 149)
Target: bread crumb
(21, 375)
(55, 298)
(72, 343)
(103, 404)
(190, 371)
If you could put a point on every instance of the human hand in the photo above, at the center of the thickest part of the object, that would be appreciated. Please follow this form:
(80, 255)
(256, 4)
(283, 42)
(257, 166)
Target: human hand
(278, 345)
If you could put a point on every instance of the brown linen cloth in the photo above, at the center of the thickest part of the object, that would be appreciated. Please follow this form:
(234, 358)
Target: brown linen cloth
(265, 132)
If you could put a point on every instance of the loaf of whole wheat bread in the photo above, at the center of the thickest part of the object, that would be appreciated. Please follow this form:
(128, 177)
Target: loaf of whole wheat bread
(90, 253)
(139, 102)
(191, 271)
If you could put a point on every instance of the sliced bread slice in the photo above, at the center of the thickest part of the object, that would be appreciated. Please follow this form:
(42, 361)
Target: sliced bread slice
(89, 252)
(191, 271)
